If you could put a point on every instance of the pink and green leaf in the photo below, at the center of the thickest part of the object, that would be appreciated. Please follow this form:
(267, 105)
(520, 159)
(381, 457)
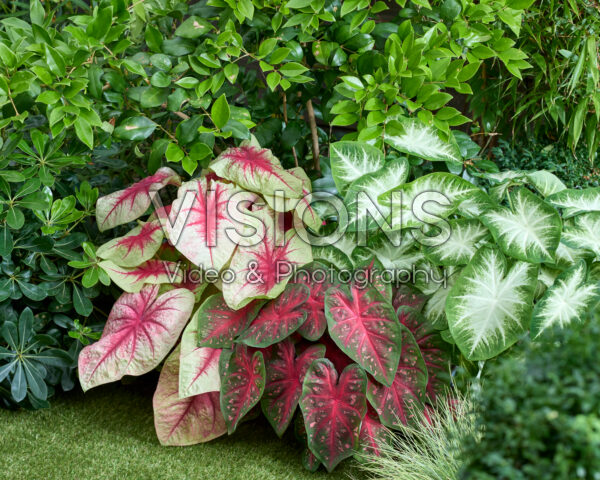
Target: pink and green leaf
(242, 385)
(198, 366)
(316, 322)
(126, 205)
(365, 327)
(373, 434)
(404, 296)
(333, 410)
(285, 374)
(372, 270)
(133, 279)
(278, 319)
(184, 421)
(218, 325)
(140, 331)
(134, 248)
(402, 402)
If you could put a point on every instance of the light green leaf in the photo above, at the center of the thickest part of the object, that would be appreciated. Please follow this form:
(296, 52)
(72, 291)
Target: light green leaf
(135, 128)
(84, 132)
(583, 231)
(422, 141)
(219, 113)
(352, 160)
(574, 201)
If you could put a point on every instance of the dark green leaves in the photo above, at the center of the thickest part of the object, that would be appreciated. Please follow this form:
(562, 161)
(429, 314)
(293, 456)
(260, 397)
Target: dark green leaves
(219, 113)
(135, 128)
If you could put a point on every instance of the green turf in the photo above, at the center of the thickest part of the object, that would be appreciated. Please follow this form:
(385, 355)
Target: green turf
(108, 433)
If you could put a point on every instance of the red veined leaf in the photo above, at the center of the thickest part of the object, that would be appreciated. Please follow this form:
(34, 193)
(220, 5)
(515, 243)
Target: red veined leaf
(184, 421)
(256, 169)
(192, 283)
(309, 461)
(434, 349)
(262, 270)
(332, 352)
(365, 327)
(402, 402)
(134, 248)
(333, 410)
(404, 296)
(242, 384)
(198, 366)
(278, 319)
(219, 325)
(153, 271)
(315, 323)
(140, 330)
(200, 218)
(372, 435)
(372, 271)
(126, 205)
(285, 373)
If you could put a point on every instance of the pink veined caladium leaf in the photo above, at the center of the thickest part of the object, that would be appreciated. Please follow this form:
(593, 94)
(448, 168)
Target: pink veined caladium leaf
(285, 374)
(278, 319)
(371, 270)
(153, 271)
(435, 351)
(318, 283)
(140, 330)
(184, 421)
(126, 205)
(256, 169)
(201, 217)
(404, 296)
(219, 325)
(242, 384)
(365, 327)
(402, 402)
(333, 410)
(134, 248)
(198, 366)
(309, 461)
(372, 435)
(262, 270)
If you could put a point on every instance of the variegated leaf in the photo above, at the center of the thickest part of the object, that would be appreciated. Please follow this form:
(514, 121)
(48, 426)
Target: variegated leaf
(463, 242)
(545, 182)
(134, 248)
(153, 271)
(352, 160)
(423, 141)
(583, 232)
(574, 201)
(333, 256)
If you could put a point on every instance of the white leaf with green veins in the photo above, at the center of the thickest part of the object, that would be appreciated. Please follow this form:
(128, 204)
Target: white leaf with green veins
(545, 182)
(530, 231)
(583, 231)
(332, 255)
(462, 244)
(566, 301)
(489, 307)
(424, 142)
(351, 160)
(435, 308)
(395, 250)
(574, 201)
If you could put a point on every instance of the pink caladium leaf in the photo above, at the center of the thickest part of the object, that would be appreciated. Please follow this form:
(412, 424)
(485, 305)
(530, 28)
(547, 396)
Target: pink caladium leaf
(309, 461)
(219, 325)
(316, 323)
(278, 319)
(435, 351)
(134, 248)
(153, 271)
(371, 270)
(373, 434)
(402, 402)
(285, 374)
(198, 366)
(200, 219)
(184, 421)
(256, 169)
(365, 327)
(126, 205)
(263, 269)
(404, 296)
(141, 329)
(242, 384)
(333, 410)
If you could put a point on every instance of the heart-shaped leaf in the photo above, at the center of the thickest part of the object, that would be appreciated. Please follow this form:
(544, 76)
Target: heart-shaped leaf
(372, 435)
(153, 271)
(316, 277)
(352, 160)
(134, 248)
(141, 329)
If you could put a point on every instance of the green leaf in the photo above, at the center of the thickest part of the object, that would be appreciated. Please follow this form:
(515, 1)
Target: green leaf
(55, 61)
(15, 218)
(279, 55)
(583, 232)
(298, 3)
(83, 305)
(219, 113)
(36, 12)
(292, 69)
(174, 153)
(135, 128)
(422, 141)
(273, 80)
(6, 241)
(101, 23)
(574, 201)
(193, 27)
(546, 182)
(84, 132)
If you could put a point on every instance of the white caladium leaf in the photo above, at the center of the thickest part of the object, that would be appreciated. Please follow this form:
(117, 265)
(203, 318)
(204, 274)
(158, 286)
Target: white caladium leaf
(262, 269)
(198, 366)
(463, 242)
(153, 271)
(573, 201)
(473, 206)
(422, 141)
(126, 205)
(583, 231)
(545, 182)
(361, 199)
(140, 331)
(134, 248)
(346, 243)
(352, 160)
(201, 217)
(489, 307)
(427, 199)
(435, 308)
(256, 169)
(566, 301)
(333, 256)
(529, 231)
(395, 250)
(181, 421)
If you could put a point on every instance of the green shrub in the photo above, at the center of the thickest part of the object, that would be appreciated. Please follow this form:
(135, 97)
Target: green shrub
(539, 412)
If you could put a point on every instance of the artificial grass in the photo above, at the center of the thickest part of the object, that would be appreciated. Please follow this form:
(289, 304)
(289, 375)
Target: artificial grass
(108, 433)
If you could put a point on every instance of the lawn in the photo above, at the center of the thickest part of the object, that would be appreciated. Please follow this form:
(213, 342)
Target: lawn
(108, 433)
